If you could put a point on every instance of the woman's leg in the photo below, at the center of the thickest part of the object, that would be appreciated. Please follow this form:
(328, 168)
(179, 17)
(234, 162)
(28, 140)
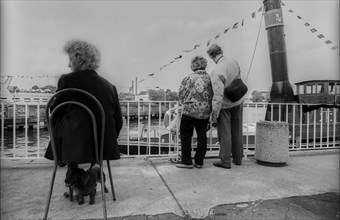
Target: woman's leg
(201, 130)
(186, 131)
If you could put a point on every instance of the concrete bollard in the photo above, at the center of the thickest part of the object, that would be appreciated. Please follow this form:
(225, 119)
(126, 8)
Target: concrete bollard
(272, 143)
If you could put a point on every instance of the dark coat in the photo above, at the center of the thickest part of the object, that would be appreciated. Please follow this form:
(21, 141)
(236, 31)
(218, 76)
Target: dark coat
(73, 126)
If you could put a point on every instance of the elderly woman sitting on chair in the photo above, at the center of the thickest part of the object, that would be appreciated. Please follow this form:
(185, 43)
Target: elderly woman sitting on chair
(72, 125)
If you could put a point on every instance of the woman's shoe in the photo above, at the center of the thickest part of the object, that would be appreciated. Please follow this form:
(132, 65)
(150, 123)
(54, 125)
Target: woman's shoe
(198, 166)
(181, 165)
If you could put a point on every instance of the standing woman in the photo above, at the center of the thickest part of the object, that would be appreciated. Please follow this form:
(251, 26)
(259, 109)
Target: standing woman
(72, 125)
(195, 95)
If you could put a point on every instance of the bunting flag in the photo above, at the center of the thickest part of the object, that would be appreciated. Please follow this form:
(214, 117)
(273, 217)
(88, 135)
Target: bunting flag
(235, 25)
(314, 30)
(197, 45)
(151, 74)
(260, 9)
(226, 30)
(242, 22)
(179, 57)
(253, 14)
(217, 36)
(208, 43)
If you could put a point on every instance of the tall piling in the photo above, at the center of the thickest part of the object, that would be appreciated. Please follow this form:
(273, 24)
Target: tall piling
(281, 89)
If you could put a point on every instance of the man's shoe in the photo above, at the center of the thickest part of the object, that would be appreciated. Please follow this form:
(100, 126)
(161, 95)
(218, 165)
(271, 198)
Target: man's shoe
(181, 165)
(198, 166)
(218, 164)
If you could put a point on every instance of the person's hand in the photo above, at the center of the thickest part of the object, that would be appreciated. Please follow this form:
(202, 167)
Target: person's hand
(208, 126)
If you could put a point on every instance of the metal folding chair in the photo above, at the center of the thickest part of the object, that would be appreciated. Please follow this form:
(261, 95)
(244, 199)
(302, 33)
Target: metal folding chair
(99, 158)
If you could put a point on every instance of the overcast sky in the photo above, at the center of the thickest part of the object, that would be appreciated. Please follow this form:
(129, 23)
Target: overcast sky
(137, 38)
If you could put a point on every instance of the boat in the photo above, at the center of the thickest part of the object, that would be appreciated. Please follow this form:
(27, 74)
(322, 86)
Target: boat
(23, 96)
(25, 103)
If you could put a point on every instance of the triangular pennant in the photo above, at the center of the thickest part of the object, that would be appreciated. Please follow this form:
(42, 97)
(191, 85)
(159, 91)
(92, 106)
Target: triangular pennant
(197, 45)
(253, 14)
(180, 56)
(320, 36)
(235, 25)
(299, 17)
(242, 22)
(217, 36)
(260, 9)
(328, 42)
(307, 24)
(151, 74)
(208, 43)
(290, 10)
(226, 30)
(313, 30)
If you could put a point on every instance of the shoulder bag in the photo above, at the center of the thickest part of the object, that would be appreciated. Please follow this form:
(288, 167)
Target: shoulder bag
(236, 90)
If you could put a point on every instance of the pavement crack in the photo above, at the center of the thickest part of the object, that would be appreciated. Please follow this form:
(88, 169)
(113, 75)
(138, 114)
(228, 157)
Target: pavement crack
(184, 212)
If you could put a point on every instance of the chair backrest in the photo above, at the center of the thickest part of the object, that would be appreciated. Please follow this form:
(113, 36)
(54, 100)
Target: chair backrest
(50, 113)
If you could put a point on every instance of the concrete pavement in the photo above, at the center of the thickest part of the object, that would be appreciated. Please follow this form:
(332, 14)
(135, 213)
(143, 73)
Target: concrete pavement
(156, 189)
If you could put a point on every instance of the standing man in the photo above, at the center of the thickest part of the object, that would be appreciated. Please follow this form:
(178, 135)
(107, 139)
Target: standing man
(227, 114)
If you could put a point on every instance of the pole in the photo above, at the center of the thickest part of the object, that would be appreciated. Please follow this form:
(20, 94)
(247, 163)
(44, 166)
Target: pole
(136, 92)
(281, 90)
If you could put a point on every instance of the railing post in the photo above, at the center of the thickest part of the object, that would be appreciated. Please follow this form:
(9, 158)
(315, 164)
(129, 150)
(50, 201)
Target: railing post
(2, 127)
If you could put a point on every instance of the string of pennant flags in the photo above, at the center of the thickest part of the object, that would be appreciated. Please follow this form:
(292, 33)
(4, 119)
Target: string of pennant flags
(312, 29)
(234, 26)
(31, 77)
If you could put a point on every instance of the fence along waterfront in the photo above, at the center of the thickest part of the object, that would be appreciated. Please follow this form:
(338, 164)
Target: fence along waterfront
(144, 134)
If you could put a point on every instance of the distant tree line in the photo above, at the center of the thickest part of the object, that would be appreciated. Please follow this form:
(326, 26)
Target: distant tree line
(260, 96)
(48, 87)
(158, 95)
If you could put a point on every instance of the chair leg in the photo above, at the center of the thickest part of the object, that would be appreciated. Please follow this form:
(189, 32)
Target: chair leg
(103, 192)
(110, 175)
(50, 192)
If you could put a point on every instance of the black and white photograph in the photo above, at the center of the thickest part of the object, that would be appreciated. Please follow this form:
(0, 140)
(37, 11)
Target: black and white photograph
(169, 109)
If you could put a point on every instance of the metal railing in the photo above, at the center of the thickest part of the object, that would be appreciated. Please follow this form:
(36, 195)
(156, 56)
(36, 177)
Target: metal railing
(24, 134)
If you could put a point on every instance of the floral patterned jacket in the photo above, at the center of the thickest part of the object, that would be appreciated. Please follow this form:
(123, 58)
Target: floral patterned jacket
(195, 95)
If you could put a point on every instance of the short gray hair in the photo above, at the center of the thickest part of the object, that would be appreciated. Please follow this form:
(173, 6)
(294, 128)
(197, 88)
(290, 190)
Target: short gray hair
(198, 63)
(214, 50)
(85, 52)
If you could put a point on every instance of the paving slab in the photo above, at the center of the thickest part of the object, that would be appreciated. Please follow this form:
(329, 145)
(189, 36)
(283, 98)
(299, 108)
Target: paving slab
(198, 190)
(139, 190)
(156, 189)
